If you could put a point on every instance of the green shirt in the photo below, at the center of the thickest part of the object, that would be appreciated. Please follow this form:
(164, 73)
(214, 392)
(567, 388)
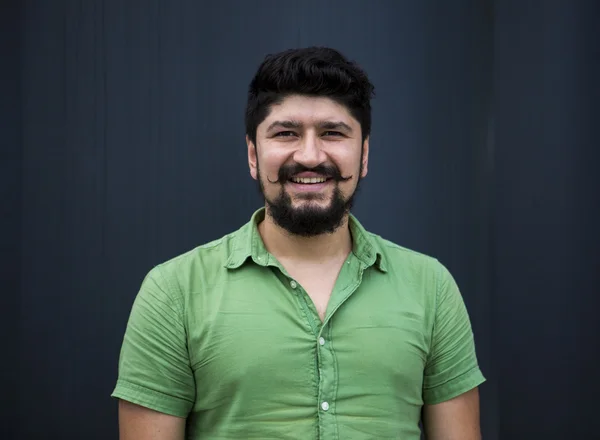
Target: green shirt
(223, 336)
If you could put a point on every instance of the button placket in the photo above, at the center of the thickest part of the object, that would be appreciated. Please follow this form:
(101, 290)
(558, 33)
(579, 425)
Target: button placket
(327, 381)
(326, 357)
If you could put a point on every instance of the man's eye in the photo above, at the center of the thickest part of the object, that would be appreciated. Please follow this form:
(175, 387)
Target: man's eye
(285, 134)
(332, 133)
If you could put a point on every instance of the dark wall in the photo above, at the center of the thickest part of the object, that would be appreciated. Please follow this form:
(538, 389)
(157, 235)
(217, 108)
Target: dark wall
(547, 218)
(11, 163)
(130, 150)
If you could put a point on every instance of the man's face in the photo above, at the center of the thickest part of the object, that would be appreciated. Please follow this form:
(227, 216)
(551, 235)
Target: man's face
(308, 161)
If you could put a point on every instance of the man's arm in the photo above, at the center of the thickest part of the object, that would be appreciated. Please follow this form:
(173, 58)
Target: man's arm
(140, 423)
(452, 374)
(155, 383)
(455, 419)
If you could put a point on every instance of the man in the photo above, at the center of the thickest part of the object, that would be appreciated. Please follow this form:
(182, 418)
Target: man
(301, 324)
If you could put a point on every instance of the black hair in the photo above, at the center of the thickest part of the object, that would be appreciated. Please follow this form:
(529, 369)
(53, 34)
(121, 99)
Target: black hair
(312, 71)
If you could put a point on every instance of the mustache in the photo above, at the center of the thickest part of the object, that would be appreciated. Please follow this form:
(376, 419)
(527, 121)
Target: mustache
(286, 172)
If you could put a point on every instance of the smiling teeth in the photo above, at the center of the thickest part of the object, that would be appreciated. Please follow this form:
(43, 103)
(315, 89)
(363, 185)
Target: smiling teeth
(308, 179)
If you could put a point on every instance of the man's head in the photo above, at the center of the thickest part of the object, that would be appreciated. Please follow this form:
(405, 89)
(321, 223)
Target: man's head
(308, 121)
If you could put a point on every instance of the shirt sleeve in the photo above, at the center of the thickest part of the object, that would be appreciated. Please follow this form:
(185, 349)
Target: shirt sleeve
(154, 369)
(452, 368)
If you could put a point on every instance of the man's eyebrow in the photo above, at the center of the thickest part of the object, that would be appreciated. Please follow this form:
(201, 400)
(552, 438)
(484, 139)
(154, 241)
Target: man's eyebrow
(285, 124)
(335, 125)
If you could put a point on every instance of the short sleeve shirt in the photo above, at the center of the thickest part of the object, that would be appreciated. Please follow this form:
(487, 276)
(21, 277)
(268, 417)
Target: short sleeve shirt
(224, 337)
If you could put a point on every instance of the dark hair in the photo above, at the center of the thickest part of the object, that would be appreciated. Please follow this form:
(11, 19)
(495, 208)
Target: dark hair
(312, 71)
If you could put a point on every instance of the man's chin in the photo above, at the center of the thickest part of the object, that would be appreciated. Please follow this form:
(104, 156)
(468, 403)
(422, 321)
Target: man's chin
(318, 204)
(314, 209)
(310, 197)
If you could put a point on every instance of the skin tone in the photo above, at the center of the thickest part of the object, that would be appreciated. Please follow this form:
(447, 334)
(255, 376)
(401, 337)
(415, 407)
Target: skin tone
(140, 423)
(309, 131)
(455, 419)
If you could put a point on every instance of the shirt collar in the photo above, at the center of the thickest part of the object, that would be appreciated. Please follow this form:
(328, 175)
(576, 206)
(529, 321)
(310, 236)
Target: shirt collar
(247, 243)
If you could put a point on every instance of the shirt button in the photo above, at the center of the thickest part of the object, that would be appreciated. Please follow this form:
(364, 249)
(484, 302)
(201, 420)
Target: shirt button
(293, 284)
(321, 341)
(325, 406)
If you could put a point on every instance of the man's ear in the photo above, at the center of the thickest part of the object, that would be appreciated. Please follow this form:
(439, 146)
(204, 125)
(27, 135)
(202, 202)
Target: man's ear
(252, 159)
(365, 157)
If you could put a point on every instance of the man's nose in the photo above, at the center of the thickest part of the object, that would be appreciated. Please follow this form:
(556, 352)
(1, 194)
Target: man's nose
(310, 154)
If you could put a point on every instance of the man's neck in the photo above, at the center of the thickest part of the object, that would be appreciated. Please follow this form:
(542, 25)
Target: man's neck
(286, 246)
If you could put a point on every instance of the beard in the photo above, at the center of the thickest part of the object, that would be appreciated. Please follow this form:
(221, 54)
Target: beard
(310, 219)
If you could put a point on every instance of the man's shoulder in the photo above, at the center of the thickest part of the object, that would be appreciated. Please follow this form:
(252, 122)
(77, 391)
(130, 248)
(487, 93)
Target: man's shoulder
(203, 261)
(400, 258)
(394, 250)
(211, 250)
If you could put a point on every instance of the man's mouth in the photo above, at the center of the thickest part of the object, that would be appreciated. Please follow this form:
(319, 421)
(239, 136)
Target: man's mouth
(309, 180)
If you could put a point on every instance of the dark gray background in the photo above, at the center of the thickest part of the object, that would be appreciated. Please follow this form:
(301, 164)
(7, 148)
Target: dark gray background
(123, 146)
